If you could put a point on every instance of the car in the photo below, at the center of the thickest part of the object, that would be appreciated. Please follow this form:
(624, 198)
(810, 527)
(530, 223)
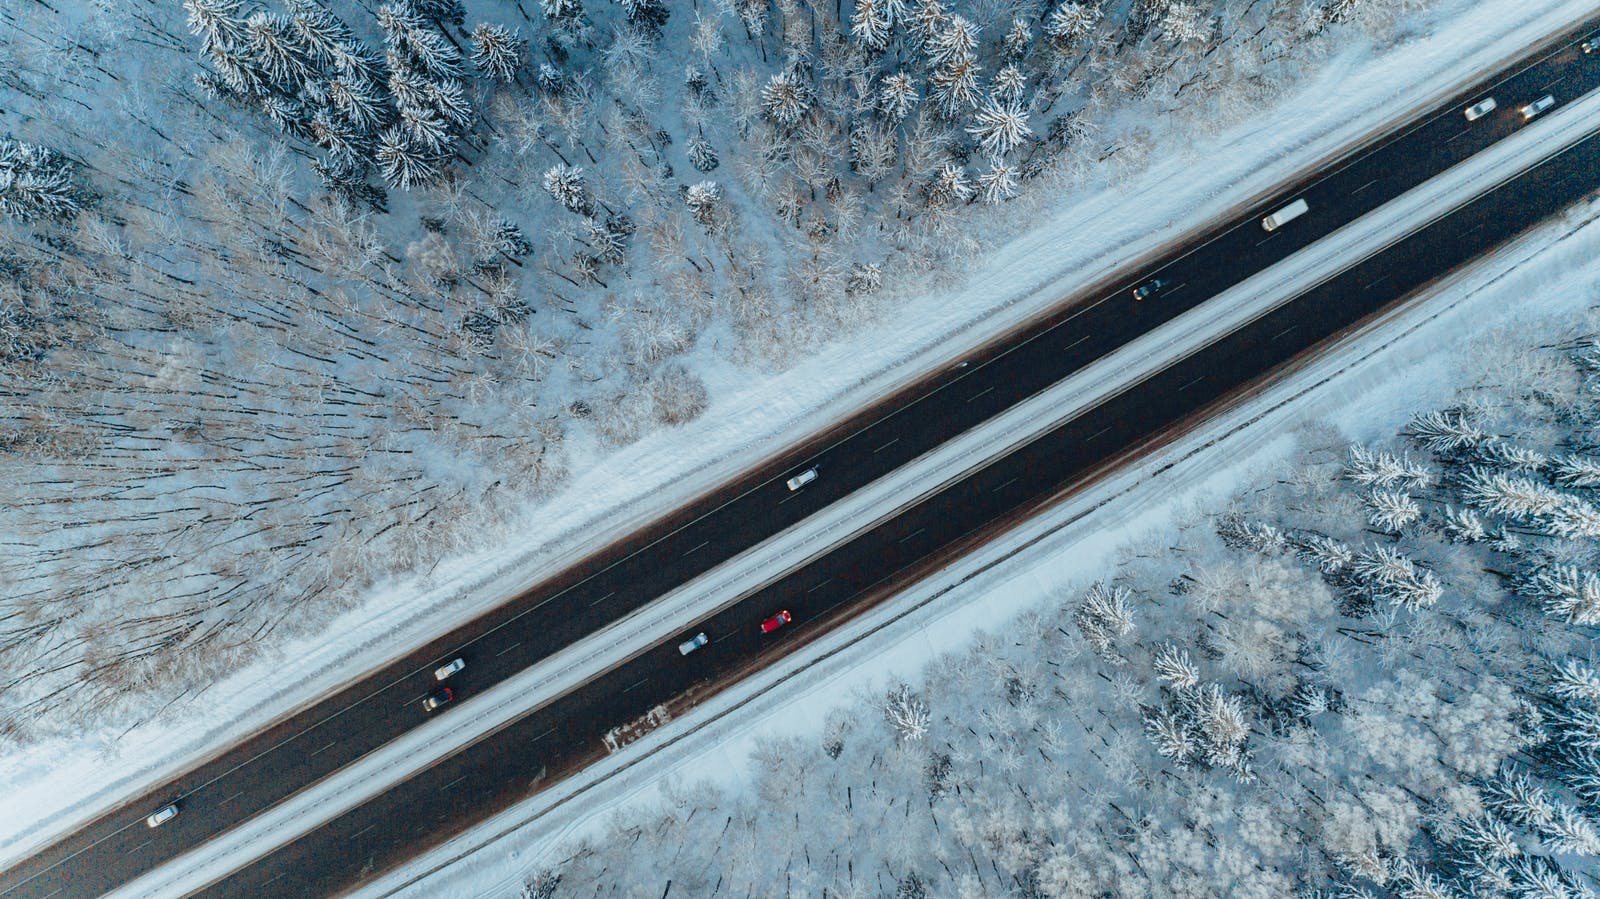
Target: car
(1590, 45)
(802, 479)
(1537, 106)
(1148, 289)
(779, 620)
(444, 671)
(693, 643)
(439, 700)
(162, 815)
(1479, 109)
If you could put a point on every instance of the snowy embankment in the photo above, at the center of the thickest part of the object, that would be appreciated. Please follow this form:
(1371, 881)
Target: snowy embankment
(1367, 387)
(54, 786)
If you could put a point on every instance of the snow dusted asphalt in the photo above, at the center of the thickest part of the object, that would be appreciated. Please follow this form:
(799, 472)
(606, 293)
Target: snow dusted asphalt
(54, 787)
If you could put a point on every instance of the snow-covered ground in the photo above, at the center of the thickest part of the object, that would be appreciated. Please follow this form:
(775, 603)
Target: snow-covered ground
(565, 670)
(53, 786)
(1367, 387)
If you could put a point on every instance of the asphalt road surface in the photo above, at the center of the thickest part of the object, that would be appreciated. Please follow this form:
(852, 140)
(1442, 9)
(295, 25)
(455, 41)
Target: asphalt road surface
(499, 770)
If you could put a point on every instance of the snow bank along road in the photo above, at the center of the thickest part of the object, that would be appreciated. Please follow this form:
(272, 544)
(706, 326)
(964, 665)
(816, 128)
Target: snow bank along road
(497, 771)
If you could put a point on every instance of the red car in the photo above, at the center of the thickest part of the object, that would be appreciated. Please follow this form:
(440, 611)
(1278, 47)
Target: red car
(776, 621)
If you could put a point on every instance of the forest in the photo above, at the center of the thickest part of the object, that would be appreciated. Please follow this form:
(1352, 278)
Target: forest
(300, 299)
(1371, 673)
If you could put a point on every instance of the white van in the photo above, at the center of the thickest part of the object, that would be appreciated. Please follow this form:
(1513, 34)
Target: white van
(1285, 215)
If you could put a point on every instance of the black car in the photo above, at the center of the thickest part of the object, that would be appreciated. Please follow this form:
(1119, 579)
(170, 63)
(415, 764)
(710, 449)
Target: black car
(438, 700)
(1148, 289)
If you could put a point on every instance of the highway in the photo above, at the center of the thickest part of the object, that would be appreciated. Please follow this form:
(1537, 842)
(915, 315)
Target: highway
(495, 772)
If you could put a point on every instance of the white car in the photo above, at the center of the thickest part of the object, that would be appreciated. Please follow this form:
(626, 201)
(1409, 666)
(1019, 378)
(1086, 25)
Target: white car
(1480, 109)
(693, 643)
(444, 671)
(1537, 106)
(802, 479)
(162, 816)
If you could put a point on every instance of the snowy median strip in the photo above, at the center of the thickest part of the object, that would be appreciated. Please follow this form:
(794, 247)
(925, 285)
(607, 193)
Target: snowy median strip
(438, 739)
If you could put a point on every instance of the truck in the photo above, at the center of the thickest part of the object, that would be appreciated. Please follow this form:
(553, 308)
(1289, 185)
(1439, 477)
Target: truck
(1285, 215)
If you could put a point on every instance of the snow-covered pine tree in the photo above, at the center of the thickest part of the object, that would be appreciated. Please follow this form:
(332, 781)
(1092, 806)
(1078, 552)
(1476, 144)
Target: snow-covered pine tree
(1576, 681)
(1463, 526)
(1183, 23)
(1170, 734)
(321, 34)
(870, 26)
(1391, 510)
(1568, 592)
(219, 24)
(497, 51)
(955, 37)
(647, 14)
(925, 22)
(1000, 127)
(898, 96)
(1381, 468)
(403, 163)
(1014, 46)
(787, 98)
(1570, 831)
(275, 46)
(998, 184)
(1220, 721)
(949, 187)
(358, 102)
(1516, 496)
(415, 46)
(864, 278)
(1174, 667)
(701, 154)
(1445, 431)
(1514, 795)
(1103, 615)
(1388, 575)
(1574, 518)
(1577, 471)
(1071, 22)
(704, 199)
(906, 713)
(561, 10)
(1009, 84)
(606, 244)
(953, 86)
(1489, 836)
(36, 183)
(567, 185)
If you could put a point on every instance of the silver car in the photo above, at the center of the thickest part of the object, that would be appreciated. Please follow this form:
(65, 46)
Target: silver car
(693, 643)
(1480, 109)
(802, 479)
(1537, 106)
(449, 668)
(162, 815)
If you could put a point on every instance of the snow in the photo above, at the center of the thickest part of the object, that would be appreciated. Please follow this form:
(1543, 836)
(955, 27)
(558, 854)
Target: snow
(53, 786)
(1368, 386)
